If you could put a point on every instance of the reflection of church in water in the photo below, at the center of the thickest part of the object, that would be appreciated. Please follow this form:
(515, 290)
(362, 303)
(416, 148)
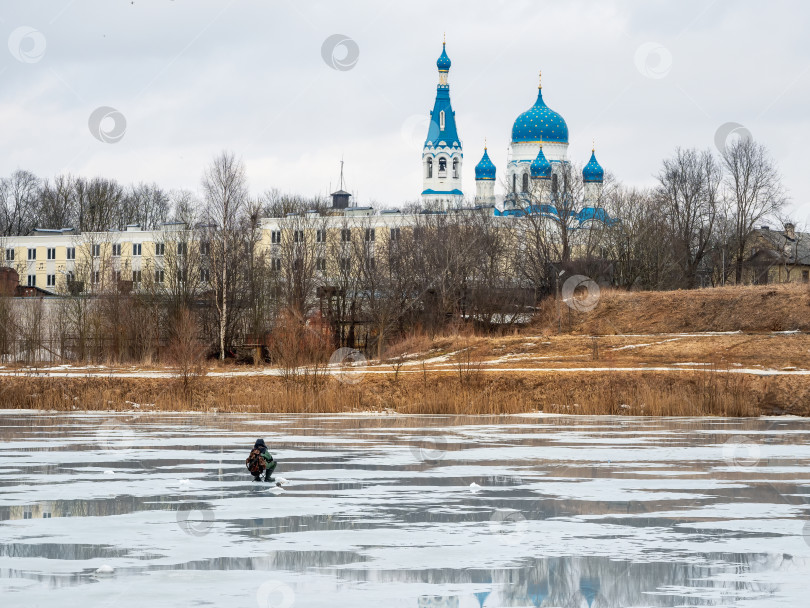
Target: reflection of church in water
(602, 582)
(575, 582)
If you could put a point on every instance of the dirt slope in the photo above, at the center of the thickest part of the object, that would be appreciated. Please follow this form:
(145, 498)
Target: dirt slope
(762, 308)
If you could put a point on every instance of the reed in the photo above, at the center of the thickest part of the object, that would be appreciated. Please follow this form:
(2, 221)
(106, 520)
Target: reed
(467, 392)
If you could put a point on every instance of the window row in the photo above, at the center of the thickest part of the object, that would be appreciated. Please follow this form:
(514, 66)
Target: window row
(50, 253)
(95, 251)
(95, 277)
(442, 168)
(344, 263)
(525, 183)
(369, 235)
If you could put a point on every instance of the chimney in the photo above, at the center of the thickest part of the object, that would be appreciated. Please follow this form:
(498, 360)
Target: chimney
(790, 231)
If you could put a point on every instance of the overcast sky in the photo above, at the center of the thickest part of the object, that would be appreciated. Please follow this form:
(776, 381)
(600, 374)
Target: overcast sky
(193, 77)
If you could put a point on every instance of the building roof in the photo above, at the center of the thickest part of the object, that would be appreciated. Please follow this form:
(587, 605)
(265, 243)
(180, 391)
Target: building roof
(51, 231)
(540, 167)
(485, 169)
(442, 131)
(593, 172)
(454, 192)
(443, 62)
(540, 124)
(788, 247)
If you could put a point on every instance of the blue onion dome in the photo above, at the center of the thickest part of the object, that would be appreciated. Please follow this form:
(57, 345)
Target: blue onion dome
(485, 169)
(443, 63)
(593, 172)
(540, 124)
(540, 167)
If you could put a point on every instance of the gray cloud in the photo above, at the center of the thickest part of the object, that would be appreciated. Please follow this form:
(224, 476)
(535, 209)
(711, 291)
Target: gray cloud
(195, 76)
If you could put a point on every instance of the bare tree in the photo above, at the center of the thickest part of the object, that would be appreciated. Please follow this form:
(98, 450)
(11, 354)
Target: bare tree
(688, 193)
(8, 320)
(755, 187)
(635, 242)
(57, 205)
(186, 351)
(148, 206)
(185, 207)
(276, 204)
(225, 188)
(299, 254)
(18, 197)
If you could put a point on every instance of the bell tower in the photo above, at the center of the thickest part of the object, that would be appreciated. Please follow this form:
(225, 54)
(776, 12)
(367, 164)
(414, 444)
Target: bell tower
(442, 155)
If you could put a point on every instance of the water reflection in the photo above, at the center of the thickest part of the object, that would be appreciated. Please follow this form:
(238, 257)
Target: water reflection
(364, 514)
(598, 582)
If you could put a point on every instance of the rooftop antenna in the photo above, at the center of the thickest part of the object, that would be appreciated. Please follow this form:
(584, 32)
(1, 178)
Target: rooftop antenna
(341, 198)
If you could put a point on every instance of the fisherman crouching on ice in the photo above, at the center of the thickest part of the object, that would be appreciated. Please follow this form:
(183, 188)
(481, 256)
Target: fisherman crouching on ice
(260, 460)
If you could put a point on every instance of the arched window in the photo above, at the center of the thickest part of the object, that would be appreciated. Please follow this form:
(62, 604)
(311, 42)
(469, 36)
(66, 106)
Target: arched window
(514, 182)
(455, 168)
(525, 182)
(441, 120)
(430, 167)
(442, 167)
(554, 183)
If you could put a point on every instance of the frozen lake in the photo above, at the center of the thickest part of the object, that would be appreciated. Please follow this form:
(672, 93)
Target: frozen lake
(379, 511)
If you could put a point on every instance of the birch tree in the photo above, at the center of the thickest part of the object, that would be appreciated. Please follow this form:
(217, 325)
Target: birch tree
(224, 185)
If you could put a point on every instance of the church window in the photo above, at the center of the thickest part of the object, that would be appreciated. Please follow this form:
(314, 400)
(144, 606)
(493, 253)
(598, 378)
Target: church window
(442, 167)
(441, 120)
(554, 183)
(514, 182)
(455, 168)
(430, 167)
(525, 182)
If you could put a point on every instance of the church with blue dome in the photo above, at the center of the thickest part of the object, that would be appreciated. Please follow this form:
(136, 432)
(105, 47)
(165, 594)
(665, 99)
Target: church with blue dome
(535, 162)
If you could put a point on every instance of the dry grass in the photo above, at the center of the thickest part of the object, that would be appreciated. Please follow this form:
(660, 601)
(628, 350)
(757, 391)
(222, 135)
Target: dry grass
(617, 393)
(749, 308)
(464, 374)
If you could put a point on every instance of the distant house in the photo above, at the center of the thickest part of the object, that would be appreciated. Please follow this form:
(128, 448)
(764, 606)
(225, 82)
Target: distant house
(9, 285)
(778, 256)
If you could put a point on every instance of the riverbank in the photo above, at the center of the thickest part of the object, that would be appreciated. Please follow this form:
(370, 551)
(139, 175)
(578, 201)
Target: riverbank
(736, 352)
(707, 392)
